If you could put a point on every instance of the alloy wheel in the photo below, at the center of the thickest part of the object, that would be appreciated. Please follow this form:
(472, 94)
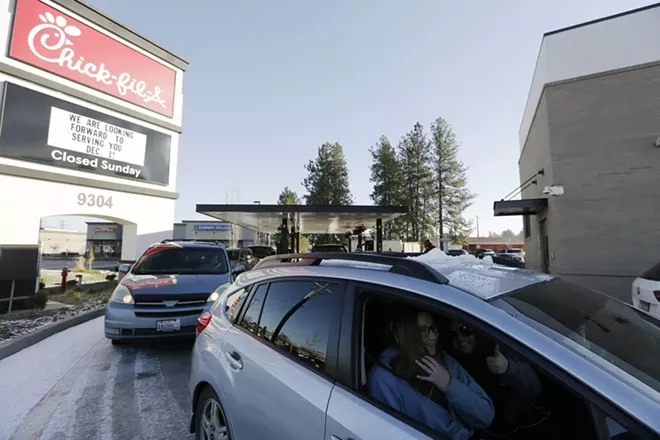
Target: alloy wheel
(213, 425)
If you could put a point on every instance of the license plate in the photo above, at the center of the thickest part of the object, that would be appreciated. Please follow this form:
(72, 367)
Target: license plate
(170, 325)
(643, 305)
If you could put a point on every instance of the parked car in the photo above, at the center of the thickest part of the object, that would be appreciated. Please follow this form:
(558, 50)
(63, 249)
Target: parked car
(481, 253)
(456, 252)
(166, 290)
(513, 253)
(288, 350)
(260, 251)
(331, 247)
(241, 259)
(646, 291)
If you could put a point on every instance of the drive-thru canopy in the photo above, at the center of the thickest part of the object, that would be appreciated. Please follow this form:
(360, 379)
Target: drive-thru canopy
(307, 219)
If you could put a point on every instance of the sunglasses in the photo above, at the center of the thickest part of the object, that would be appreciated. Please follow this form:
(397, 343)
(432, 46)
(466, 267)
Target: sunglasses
(462, 331)
(425, 330)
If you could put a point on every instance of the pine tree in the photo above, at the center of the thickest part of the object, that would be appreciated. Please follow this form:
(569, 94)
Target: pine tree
(288, 197)
(386, 177)
(414, 153)
(327, 180)
(452, 196)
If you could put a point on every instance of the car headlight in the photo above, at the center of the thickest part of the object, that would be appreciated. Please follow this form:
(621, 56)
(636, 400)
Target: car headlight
(217, 292)
(122, 295)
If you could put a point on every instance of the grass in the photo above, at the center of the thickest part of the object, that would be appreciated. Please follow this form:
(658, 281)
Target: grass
(76, 295)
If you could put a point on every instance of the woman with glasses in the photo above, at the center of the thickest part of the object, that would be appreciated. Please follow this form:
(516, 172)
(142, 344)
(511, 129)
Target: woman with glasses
(513, 384)
(426, 384)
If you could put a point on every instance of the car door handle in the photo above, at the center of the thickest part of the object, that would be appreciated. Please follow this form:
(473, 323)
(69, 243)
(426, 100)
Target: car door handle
(234, 359)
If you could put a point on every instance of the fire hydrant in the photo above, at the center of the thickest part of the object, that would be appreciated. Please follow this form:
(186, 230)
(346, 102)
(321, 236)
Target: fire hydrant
(65, 272)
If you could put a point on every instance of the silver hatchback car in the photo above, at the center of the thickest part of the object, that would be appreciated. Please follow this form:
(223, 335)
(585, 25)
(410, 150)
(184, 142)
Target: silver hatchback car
(301, 347)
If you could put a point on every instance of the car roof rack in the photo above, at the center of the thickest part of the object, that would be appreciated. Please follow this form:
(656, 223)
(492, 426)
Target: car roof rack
(402, 266)
(184, 240)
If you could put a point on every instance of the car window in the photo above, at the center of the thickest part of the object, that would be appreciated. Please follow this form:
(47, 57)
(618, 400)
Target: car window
(175, 259)
(261, 251)
(235, 302)
(296, 318)
(250, 319)
(234, 254)
(588, 319)
(653, 273)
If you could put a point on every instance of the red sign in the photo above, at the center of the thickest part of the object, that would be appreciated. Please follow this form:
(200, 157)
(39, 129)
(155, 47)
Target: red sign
(53, 41)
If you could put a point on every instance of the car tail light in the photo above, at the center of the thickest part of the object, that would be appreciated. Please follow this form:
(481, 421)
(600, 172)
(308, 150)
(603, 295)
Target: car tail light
(656, 293)
(202, 322)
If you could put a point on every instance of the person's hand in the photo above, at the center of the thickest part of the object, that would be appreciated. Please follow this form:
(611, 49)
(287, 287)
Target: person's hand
(437, 373)
(498, 363)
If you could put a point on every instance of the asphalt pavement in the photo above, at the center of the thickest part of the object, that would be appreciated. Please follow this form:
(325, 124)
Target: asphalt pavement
(77, 385)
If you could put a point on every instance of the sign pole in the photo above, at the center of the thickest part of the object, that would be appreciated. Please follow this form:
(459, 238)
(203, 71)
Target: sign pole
(11, 294)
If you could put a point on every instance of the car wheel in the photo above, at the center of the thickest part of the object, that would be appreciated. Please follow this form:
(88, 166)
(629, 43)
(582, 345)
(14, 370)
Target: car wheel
(211, 421)
(115, 341)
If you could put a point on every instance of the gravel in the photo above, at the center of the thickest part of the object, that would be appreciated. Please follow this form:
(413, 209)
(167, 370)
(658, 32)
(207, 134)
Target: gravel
(12, 328)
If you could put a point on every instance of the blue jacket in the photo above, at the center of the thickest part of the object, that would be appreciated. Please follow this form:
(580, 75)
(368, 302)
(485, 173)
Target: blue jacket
(469, 406)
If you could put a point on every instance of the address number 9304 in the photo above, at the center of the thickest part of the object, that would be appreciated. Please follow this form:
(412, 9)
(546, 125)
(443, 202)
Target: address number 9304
(92, 200)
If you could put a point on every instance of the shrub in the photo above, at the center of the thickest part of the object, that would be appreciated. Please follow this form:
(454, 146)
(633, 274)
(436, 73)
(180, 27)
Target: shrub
(111, 276)
(71, 283)
(80, 263)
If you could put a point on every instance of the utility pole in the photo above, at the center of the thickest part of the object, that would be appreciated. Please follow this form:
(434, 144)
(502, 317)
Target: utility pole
(477, 226)
(440, 225)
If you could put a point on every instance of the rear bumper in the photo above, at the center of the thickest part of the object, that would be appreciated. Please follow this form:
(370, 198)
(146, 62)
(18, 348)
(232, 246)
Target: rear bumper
(121, 323)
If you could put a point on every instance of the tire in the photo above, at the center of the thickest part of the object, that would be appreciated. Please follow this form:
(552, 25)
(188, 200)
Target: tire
(115, 341)
(219, 427)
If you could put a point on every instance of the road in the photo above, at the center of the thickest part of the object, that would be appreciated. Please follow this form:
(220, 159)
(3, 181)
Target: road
(59, 264)
(77, 385)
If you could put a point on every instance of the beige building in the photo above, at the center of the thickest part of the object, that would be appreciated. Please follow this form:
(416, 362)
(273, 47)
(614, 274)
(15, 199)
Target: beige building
(62, 241)
(590, 157)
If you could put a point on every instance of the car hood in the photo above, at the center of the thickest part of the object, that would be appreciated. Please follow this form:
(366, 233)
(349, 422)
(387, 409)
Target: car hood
(174, 284)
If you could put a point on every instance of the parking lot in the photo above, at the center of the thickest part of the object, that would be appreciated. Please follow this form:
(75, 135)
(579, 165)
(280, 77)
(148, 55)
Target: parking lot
(76, 385)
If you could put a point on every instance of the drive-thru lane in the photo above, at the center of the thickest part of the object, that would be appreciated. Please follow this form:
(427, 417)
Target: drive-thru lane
(76, 385)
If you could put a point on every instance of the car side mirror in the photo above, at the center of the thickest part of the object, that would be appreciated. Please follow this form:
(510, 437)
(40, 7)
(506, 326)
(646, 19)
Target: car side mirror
(124, 268)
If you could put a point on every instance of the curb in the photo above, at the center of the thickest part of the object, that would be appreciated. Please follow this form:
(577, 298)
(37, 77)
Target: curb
(15, 345)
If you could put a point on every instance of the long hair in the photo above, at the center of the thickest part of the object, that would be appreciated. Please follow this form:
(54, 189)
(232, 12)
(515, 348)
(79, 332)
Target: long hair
(409, 347)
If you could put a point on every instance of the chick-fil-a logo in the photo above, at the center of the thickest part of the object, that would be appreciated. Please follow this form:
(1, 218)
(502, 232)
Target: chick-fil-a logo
(55, 43)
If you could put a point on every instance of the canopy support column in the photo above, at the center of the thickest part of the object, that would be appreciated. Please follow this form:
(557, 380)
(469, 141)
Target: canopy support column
(379, 235)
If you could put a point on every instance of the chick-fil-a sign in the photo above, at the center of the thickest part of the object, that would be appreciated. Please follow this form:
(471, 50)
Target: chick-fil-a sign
(53, 41)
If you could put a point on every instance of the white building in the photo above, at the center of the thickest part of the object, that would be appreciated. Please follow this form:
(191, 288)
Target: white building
(90, 125)
(62, 242)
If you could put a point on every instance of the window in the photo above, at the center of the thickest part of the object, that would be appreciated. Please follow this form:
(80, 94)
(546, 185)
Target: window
(174, 259)
(251, 318)
(235, 302)
(534, 403)
(297, 318)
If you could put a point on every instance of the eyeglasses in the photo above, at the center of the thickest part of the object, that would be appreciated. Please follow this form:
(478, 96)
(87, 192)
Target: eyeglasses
(462, 331)
(425, 330)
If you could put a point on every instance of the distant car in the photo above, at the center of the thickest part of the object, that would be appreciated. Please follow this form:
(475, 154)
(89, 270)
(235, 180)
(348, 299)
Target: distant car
(480, 253)
(261, 252)
(329, 248)
(457, 252)
(241, 259)
(646, 291)
(166, 290)
(513, 253)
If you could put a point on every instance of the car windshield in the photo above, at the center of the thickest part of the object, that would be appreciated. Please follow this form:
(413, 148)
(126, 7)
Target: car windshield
(514, 251)
(182, 260)
(610, 329)
(234, 254)
(329, 248)
(653, 273)
(455, 252)
(261, 251)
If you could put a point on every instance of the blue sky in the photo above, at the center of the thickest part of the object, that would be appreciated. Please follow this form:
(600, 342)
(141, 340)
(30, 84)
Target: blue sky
(270, 81)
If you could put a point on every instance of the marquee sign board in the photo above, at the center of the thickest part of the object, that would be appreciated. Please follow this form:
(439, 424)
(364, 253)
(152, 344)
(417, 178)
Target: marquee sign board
(40, 128)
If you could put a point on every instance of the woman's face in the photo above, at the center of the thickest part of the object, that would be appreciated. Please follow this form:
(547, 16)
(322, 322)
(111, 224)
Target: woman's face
(462, 337)
(428, 331)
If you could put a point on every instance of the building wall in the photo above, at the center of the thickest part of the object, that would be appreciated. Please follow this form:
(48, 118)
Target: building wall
(603, 131)
(57, 242)
(536, 156)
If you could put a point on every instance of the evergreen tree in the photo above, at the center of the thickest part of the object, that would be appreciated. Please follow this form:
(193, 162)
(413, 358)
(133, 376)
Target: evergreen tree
(327, 180)
(386, 177)
(414, 153)
(452, 196)
(288, 197)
